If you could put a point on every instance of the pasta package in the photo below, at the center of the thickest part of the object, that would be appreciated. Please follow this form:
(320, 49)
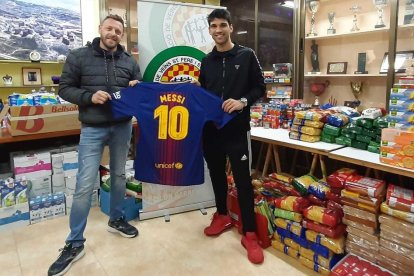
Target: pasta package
(303, 137)
(292, 227)
(315, 267)
(280, 213)
(355, 212)
(359, 205)
(306, 130)
(338, 120)
(393, 265)
(281, 188)
(285, 240)
(327, 263)
(370, 201)
(363, 221)
(319, 189)
(316, 201)
(338, 178)
(397, 213)
(374, 239)
(404, 260)
(336, 245)
(400, 198)
(312, 115)
(360, 251)
(284, 177)
(285, 249)
(400, 226)
(367, 229)
(291, 203)
(373, 247)
(331, 232)
(397, 248)
(323, 215)
(365, 185)
(302, 122)
(301, 184)
(389, 234)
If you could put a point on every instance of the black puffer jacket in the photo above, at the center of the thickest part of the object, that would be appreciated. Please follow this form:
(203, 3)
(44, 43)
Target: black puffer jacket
(234, 74)
(89, 69)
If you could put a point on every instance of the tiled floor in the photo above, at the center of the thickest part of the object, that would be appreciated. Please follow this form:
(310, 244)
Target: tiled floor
(178, 247)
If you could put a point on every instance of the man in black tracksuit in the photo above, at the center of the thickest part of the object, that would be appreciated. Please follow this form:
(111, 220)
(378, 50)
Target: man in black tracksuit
(233, 73)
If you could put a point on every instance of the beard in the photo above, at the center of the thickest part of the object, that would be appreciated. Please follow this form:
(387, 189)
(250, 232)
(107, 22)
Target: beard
(109, 43)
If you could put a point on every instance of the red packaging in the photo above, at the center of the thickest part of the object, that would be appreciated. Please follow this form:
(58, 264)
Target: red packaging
(338, 178)
(365, 185)
(316, 201)
(292, 203)
(373, 202)
(400, 198)
(335, 206)
(332, 232)
(323, 215)
(334, 196)
(282, 187)
(353, 265)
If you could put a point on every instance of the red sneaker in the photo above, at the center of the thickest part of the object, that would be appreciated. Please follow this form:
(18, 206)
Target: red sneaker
(254, 251)
(218, 225)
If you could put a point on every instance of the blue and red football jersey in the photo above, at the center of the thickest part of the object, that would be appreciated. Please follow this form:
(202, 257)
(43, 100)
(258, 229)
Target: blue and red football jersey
(171, 118)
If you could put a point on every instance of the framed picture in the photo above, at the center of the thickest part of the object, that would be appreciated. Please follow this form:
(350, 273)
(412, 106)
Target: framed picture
(31, 76)
(337, 67)
(399, 64)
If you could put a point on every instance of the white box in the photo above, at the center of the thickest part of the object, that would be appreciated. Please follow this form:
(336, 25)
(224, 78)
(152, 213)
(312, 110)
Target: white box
(14, 216)
(59, 206)
(32, 165)
(57, 163)
(47, 204)
(35, 206)
(70, 163)
(58, 183)
(40, 186)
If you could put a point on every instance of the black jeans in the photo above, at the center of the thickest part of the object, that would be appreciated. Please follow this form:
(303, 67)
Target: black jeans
(218, 144)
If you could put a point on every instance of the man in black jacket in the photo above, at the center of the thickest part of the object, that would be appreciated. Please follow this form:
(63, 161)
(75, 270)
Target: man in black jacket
(233, 73)
(89, 75)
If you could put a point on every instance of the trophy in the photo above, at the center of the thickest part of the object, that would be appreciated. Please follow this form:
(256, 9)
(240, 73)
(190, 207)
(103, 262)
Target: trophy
(313, 6)
(356, 87)
(317, 89)
(355, 10)
(331, 18)
(380, 5)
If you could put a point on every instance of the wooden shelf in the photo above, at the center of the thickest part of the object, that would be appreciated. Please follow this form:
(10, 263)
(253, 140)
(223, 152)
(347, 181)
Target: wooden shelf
(406, 26)
(357, 33)
(309, 76)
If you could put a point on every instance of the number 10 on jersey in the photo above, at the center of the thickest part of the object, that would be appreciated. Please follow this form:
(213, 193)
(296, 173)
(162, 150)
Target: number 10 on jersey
(173, 122)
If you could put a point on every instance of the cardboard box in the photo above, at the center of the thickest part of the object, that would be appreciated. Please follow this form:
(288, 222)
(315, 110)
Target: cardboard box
(14, 216)
(26, 120)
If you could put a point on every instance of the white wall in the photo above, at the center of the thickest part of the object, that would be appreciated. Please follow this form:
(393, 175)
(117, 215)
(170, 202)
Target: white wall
(90, 20)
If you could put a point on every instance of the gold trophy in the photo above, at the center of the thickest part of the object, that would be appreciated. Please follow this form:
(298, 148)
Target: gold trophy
(356, 87)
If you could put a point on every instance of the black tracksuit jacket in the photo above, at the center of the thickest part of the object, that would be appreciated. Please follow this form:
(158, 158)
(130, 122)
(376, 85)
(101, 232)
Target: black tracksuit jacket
(234, 74)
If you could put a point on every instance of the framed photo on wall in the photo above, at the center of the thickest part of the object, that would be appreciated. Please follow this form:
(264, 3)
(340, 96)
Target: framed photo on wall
(31, 76)
(399, 64)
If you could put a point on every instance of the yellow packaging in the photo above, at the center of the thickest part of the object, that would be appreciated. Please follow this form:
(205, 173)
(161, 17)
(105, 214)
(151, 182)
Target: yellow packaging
(287, 241)
(397, 213)
(301, 122)
(336, 245)
(293, 227)
(310, 255)
(306, 130)
(310, 264)
(285, 249)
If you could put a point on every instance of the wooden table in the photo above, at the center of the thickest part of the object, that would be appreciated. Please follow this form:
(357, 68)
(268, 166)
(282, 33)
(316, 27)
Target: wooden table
(5, 136)
(280, 137)
(367, 159)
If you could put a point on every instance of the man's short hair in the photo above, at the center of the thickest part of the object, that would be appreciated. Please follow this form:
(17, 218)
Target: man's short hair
(219, 13)
(114, 17)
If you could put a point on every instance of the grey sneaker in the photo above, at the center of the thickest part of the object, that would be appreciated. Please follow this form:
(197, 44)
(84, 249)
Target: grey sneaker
(68, 256)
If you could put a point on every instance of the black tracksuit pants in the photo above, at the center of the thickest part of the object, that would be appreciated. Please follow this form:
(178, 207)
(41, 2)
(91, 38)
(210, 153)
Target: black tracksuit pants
(217, 144)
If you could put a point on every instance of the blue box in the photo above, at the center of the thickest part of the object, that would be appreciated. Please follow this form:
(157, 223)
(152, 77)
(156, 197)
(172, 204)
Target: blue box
(131, 207)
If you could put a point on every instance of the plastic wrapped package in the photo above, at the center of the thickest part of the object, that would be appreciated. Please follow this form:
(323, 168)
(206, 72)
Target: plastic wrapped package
(315, 267)
(301, 184)
(319, 189)
(397, 257)
(407, 240)
(284, 177)
(306, 130)
(365, 123)
(359, 145)
(327, 263)
(374, 239)
(336, 245)
(331, 196)
(338, 178)
(370, 230)
(291, 203)
(332, 130)
(398, 225)
(343, 140)
(292, 227)
(400, 198)
(362, 206)
(302, 241)
(355, 212)
(368, 245)
(280, 213)
(393, 265)
(372, 113)
(365, 185)
(380, 122)
(332, 232)
(285, 240)
(312, 115)
(358, 250)
(303, 137)
(332, 205)
(285, 249)
(281, 187)
(369, 223)
(320, 249)
(327, 138)
(370, 201)
(322, 215)
(302, 122)
(354, 265)
(397, 213)
(257, 183)
(338, 120)
(316, 201)
(397, 248)
(346, 110)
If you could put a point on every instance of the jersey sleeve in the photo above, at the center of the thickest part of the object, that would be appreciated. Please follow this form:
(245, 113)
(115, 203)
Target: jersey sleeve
(213, 108)
(125, 102)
